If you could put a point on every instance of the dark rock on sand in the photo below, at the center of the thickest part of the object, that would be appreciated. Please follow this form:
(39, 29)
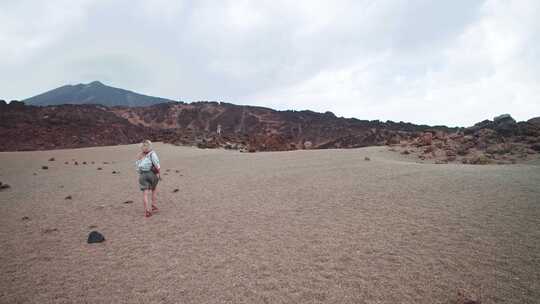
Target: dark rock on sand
(84, 163)
(44, 167)
(115, 172)
(4, 186)
(51, 159)
(49, 230)
(68, 197)
(176, 190)
(95, 237)
(367, 158)
(25, 218)
(99, 168)
(65, 163)
(128, 202)
(76, 163)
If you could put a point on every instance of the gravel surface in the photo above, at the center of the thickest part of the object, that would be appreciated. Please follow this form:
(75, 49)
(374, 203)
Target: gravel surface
(318, 226)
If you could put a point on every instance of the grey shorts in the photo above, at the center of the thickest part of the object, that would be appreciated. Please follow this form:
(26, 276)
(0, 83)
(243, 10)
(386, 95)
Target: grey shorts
(148, 180)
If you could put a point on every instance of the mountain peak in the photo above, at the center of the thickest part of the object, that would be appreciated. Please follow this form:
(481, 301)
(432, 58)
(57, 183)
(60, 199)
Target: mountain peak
(94, 92)
(96, 83)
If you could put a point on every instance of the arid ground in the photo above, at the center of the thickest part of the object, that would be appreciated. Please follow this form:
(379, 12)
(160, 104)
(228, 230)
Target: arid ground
(317, 226)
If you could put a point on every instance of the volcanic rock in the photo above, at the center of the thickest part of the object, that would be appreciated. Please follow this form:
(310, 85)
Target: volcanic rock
(95, 237)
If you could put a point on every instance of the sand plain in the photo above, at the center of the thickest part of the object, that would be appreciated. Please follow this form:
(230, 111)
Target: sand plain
(317, 226)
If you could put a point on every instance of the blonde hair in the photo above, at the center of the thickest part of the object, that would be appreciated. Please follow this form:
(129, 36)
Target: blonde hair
(146, 144)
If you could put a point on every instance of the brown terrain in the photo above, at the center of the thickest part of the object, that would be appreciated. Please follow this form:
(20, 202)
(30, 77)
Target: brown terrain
(249, 128)
(309, 226)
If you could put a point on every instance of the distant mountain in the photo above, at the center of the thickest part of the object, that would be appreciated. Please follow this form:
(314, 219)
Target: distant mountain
(93, 93)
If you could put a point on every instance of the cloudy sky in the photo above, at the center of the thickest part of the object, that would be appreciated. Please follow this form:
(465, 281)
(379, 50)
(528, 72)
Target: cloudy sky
(435, 62)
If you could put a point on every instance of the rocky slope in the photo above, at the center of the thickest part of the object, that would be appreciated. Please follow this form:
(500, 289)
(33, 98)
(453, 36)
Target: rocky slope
(501, 141)
(249, 128)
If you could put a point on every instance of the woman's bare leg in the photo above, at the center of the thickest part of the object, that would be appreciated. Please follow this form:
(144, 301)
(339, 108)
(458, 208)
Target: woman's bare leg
(145, 200)
(154, 198)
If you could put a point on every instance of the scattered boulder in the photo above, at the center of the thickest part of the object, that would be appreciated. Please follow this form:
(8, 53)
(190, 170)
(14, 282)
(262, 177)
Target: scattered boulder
(99, 168)
(76, 163)
(25, 218)
(92, 163)
(367, 158)
(4, 186)
(68, 197)
(405, 152)
(105, 163)
(128, 202)
(44, 167)
(95, 237)
(177, 171)
(65, 163)
(84, 163)
(176, 190)
(427, 138)
(51, 159)
(115, 172)
(92, 227)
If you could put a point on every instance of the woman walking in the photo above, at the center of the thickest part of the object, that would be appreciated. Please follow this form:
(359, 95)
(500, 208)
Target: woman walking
(148, 168)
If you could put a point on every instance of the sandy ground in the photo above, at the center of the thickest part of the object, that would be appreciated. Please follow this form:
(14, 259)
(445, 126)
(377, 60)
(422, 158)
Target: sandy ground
(320, 226)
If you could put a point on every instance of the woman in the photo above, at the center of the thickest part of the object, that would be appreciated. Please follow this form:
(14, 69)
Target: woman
(148, 168)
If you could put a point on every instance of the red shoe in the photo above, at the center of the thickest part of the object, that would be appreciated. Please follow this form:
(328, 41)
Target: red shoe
(147, 214)
(154, 208)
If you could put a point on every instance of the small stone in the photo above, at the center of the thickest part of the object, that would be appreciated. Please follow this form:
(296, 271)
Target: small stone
(367, 158)
(405, 152)
(51, 159)
(128, 202)
(168, 170)
(68, 197)
(50, 230)
(176, 190)
(35, 173)
(105, 163)
(4, 186)
(92, 163)
(95, 237)
(99, 168)
(25, 218)
(114, 172)
(44, 167)
(76, 163)
(92, 227)
(65, 163)
(84, 163)
(177, 171)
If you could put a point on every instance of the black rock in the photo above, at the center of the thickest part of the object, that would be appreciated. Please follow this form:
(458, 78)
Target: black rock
(51, 159)
(4, 186)
(128, 202)
(68, 197)
(44, 167)
(25, 218)
(99, 168)
(95, 237)
(176, 190)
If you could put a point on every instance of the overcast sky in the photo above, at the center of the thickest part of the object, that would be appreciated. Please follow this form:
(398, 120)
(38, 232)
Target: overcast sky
(436, 62)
